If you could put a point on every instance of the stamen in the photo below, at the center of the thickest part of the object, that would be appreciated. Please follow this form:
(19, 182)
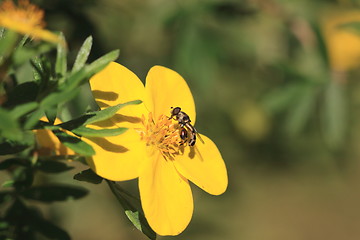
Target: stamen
(163, 134)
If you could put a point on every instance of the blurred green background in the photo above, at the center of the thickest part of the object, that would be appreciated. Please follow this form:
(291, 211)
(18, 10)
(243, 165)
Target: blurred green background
(276, 85)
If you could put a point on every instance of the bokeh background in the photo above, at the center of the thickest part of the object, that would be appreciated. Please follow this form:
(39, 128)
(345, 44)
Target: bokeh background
(277, 87)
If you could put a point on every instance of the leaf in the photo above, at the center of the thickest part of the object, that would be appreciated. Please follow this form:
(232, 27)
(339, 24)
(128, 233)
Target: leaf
(22, 93)
(335, 115)
(132, 211)
(108, 112)
(61, 63)
(8, 184)
(31, 220)
(5, 196)
(301, 110)
(49, 166)
(78, 78)
(321, 44)
(280, 99)
(102, 62)
(23, 109)
(56, 98)
(353, 26)
(7, 43)
(9, 126)
(74, 143)
(25, 53)
(23, 177)
(89, 132)
(11, 147)
(7, 163)
(88, 176)
(33, 119)
(48, 229)
(54, 192)
(83, 54)
(51, 113)
(96, 116)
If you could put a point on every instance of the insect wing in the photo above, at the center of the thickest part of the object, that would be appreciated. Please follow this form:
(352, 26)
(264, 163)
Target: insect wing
(197, 133)
(201, 140)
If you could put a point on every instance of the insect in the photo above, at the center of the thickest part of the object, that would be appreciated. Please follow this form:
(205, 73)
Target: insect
(186, 127)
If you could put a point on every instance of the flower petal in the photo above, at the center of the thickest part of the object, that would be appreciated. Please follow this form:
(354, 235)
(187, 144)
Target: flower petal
(165, 88)
(49, 143)
(165, 196)
(116, 84)
(117, 158)
(204, 166)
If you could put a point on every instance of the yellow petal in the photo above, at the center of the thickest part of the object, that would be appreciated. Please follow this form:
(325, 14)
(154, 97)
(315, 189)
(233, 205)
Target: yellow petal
(116, 84)
(117, 158)
(204, 166)
(343, 57)
(49, 143)
(165, 196)
(165, 88)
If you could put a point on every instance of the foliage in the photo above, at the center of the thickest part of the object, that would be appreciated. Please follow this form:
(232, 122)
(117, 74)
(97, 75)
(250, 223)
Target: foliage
(36, 82)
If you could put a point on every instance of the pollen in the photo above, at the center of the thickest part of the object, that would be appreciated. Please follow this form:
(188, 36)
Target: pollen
(163, 134)
(24, 13)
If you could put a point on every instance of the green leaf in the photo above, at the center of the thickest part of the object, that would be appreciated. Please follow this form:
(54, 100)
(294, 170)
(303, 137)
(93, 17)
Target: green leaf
(25, 53)
(23, 177)
(96, 116)
(5, 196)
(8, 183)
(31, 220)
(83, 54)
(321, 44)
(49, 166)
(23, 109)
(100, 63)
(61, 63)
(7, 163)
(351, 26)
(132, 209)
(33, 119)
(335, 115)
(12, 147)
(88, 176)
(22, 93)
(301, 111)
(7, 43)
(51, 114)
(78, 78)
(54, 192)
(89, 132)
(280, 99)
(56, 98)
(48, 229)
(74, 143)
(9, 126)
(108, 112)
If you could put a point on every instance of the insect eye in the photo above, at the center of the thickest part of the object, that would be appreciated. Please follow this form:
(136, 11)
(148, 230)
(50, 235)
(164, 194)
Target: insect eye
(176, 110)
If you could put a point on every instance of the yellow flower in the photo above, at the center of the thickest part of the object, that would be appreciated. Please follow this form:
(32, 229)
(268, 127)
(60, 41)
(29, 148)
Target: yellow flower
(151, 149)
(343, 44)
(26, 19)
(49, 144)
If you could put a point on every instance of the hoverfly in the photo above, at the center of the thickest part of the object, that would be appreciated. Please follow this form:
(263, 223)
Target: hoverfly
(186, 127)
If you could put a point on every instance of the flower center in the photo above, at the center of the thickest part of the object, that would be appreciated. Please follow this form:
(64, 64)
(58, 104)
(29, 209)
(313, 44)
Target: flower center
(25, 13)
(163, 134)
